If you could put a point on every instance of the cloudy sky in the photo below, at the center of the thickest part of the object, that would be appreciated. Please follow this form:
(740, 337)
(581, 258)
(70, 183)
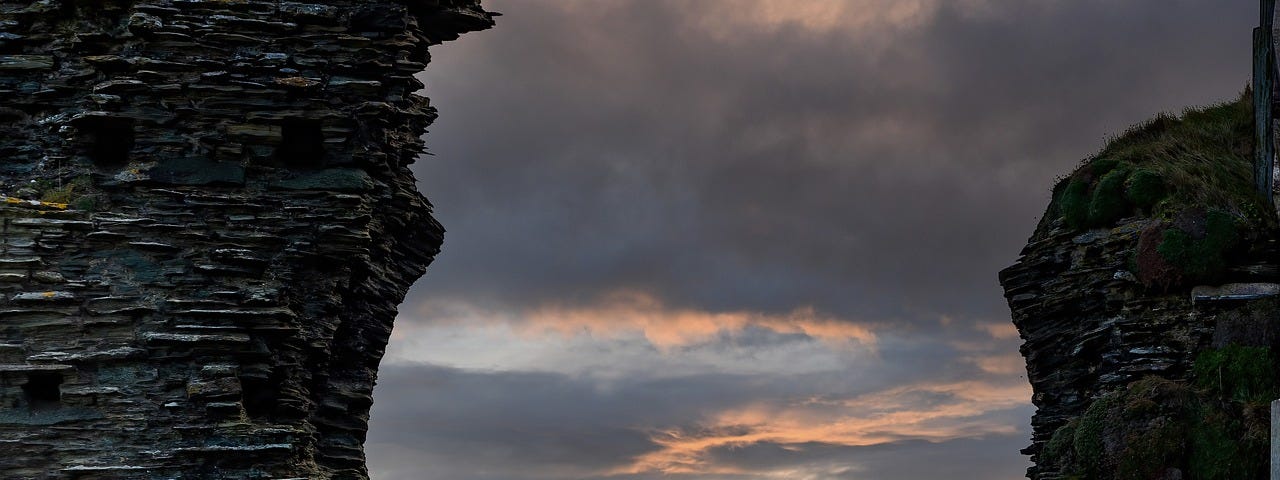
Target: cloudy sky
(756, 239)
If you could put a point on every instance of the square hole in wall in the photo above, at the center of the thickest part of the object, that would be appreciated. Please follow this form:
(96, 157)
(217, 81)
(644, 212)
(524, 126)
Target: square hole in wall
(107, 140)
(301, 143)
(260, 394)
(43, 390)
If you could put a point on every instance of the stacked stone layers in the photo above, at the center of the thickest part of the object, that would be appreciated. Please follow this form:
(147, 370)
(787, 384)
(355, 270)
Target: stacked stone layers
(1089, 328)
(220, 308)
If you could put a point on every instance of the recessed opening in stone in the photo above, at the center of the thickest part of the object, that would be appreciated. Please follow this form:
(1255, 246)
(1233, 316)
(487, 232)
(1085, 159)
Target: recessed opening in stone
(43, 390)
(12, 115)
(95, 4)
(109, 140)
(301, 143)
(259, 395)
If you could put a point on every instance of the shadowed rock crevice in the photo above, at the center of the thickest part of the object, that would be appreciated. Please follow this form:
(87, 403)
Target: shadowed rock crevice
(207, 224)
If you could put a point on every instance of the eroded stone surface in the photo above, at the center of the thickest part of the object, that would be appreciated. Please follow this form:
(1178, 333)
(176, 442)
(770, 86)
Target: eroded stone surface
(1234, 291)
(1090, 328)
(206, 224)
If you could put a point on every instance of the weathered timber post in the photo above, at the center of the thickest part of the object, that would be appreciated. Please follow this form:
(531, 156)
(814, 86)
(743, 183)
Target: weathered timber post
(1263, 88)
(1275, 440)
(1264, 68)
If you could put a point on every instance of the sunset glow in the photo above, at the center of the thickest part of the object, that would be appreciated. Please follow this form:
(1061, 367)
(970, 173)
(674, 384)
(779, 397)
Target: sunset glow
(755, 239)
(875, 419)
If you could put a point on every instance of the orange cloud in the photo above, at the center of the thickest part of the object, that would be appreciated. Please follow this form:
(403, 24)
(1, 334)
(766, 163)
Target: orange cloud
(732, 19)
(628, 313)
(905, 413)
(1000, 330)
(1001, 364)
(996, 354)
(865, 18)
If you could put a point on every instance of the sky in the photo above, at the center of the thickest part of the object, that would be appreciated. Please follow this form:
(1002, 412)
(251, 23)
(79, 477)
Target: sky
(756, 239)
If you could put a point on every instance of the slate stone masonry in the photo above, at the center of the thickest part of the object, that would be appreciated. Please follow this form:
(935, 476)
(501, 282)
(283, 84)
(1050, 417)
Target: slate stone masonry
(227, 227)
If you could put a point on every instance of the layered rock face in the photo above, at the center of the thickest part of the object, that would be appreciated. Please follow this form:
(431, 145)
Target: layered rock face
(1090, 328)
(207, 225)
(1146, 300)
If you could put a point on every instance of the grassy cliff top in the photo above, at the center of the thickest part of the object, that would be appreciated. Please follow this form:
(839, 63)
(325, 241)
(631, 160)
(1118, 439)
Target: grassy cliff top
(1202, 158)
(1189, 177)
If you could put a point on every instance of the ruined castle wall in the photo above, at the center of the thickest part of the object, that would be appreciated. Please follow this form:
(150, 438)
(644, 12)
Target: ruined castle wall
(228, 225)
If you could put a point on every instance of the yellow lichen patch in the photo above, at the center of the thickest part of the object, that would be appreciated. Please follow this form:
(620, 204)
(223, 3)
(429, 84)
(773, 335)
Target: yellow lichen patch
(297, 82)
(33, 203)
(48, 294)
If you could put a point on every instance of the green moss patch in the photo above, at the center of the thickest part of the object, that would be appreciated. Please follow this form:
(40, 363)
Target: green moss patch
(1060, 450)
(1155, 428)
(1195, 248)
(1242, 374)
(1149, 450)
(1074, 204)
(1087, 441)
(1109, 203)
(79, 193)
(1221, 447)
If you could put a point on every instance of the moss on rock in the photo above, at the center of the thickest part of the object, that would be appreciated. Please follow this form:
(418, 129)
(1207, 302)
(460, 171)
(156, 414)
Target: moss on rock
(78, 193)
(1061, 449)
(1157, 428)
(1198, 244)
(1238, 373)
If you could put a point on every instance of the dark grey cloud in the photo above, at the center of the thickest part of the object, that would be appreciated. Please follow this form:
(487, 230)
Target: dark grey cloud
(876, 174)
(506, 425)
(579, 153)
(966, 459)
(439, 422)
(431, 421)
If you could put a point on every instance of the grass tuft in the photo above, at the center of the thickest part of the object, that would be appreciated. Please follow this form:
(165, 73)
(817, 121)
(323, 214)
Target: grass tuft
(1202, 158)
(1242, 374)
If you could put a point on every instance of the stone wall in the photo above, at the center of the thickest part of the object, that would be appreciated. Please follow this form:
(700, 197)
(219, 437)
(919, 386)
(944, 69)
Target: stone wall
(207, 225)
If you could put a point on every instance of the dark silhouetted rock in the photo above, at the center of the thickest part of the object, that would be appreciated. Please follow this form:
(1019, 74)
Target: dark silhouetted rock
(207, 221)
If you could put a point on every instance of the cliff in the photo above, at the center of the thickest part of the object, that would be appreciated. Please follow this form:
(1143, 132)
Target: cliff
(1145, 300)
(208, 223)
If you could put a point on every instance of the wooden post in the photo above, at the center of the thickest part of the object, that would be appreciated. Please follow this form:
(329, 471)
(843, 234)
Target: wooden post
(1275, 440)
(1263, 88)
